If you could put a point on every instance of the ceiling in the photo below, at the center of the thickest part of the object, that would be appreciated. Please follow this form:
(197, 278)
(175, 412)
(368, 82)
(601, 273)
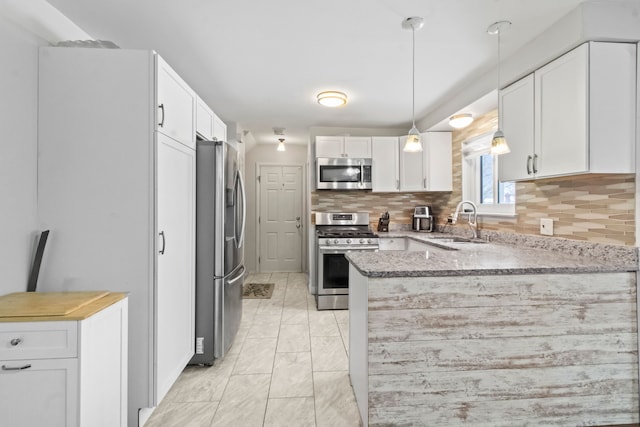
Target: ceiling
(261, 63)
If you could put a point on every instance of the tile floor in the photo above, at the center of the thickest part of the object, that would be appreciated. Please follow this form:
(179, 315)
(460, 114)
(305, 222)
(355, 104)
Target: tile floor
(288, 366)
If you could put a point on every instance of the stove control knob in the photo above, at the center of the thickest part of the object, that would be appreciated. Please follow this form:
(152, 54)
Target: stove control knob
(349, 241)
(369, 241)
(336, 241)
(362, 241)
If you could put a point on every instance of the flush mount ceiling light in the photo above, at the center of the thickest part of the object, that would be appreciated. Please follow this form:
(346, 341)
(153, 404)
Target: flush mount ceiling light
(499, 143)
(459, 121)
(281, 146)
(412, 143)
(332, 98)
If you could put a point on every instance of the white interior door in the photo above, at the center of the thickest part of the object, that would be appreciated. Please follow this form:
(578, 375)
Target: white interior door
(280, 219)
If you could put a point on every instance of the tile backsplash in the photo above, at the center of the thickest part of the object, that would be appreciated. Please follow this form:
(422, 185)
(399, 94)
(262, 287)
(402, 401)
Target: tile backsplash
(399, 205)
(594, 208)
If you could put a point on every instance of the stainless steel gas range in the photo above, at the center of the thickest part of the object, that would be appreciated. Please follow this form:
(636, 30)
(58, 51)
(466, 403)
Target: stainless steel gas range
(337, 234)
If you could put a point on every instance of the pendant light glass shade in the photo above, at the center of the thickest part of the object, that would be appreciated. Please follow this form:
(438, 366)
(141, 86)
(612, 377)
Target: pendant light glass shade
(499, 142)
(413, 144)
(281, 145)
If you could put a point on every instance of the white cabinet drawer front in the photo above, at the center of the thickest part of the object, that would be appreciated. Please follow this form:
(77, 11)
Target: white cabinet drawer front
(38, 340)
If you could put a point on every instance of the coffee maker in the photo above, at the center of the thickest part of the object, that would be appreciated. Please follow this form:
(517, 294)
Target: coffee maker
(422, 219)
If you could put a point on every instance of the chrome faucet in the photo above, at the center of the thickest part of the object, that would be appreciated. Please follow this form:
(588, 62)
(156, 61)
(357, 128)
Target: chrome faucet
(472, 220)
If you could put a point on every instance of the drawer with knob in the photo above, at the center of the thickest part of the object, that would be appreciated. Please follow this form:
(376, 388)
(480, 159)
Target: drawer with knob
(38, 340)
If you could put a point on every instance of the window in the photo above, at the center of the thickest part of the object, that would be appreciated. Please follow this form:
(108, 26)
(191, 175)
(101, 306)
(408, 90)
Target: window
(480, 179)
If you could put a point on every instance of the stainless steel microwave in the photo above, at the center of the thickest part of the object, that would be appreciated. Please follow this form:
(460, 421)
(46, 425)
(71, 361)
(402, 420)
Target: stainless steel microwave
(343, 174)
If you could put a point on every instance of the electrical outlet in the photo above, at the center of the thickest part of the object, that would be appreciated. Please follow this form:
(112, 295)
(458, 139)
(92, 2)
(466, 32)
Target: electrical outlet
(546, 226)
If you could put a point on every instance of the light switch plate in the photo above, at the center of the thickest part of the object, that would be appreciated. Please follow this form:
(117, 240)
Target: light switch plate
(546, 226)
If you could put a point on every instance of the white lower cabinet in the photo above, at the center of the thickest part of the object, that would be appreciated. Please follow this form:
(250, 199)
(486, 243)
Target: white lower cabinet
(176, 201)
(79, 381)
(41, 393)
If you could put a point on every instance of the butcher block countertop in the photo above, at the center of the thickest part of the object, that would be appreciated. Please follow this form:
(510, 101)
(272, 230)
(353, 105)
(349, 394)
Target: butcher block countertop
(55, 306)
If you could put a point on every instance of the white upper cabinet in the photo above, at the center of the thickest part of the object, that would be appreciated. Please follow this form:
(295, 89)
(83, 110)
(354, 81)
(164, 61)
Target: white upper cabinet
(219, 129)
(385, 164)
(517, 123)
(430, 170)
(208, 124)
(176, 105)
(204, 120)
(575, 115)
(343, 146)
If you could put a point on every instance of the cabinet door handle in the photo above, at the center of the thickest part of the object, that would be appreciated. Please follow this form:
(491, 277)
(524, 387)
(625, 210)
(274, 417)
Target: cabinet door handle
(529, 158)
(397, 184)
(15, 368)
(535, 163)
(161, 107)
(164, 243)
(16, 341)
(424, 182)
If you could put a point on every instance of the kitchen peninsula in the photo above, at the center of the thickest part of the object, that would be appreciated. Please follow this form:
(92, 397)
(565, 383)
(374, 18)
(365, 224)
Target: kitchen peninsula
(494, 334)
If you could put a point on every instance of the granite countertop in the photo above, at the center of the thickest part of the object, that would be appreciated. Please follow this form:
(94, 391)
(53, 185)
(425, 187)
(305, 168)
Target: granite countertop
(534, 256)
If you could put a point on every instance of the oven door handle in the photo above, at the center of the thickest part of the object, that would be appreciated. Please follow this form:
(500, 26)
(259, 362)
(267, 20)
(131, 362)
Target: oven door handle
(336, 250)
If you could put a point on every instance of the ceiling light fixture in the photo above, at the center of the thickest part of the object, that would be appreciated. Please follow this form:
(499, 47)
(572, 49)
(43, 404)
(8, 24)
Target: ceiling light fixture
(499, 143)
(332, 98)
(459, 121)
(412, 143)
(281, 146)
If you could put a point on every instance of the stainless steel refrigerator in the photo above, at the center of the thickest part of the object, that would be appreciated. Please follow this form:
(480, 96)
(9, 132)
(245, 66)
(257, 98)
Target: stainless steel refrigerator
(220, 226)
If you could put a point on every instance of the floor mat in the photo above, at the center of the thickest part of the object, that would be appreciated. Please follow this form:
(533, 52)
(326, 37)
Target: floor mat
(257, 290)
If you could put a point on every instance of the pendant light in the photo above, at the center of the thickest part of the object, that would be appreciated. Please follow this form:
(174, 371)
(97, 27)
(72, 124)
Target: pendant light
(280, 132)
(412, 143)
(499, 143)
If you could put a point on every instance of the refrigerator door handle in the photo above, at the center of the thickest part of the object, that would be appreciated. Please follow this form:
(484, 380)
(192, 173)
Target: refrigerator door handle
(244, 209)
(239, 277)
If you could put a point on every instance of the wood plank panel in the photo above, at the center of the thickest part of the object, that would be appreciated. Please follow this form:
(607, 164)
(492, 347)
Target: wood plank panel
(482, 291)
(501, 321)
(426, 390)
(501, 353)
(561, 411)
(537, 350)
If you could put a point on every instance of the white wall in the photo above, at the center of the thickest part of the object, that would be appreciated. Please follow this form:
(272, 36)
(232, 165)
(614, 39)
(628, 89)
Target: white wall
(18, 154)
(267, 154)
